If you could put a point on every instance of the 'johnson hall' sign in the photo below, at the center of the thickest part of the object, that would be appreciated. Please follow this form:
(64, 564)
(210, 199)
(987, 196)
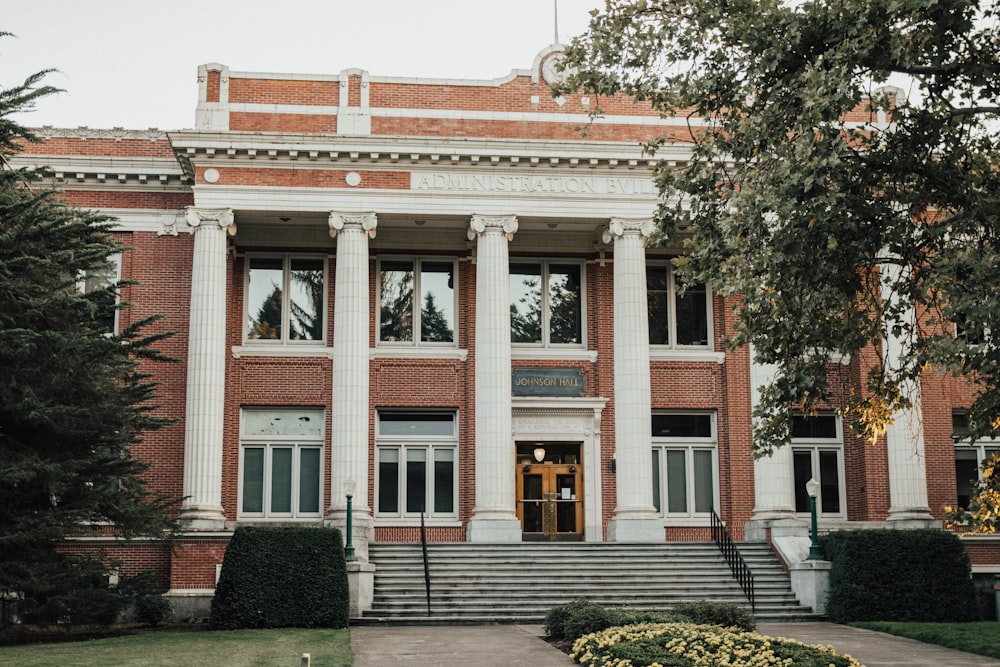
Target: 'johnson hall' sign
(548, 382)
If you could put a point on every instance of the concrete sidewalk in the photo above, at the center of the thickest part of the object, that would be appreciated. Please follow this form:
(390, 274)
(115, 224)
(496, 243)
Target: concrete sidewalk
(515, 645)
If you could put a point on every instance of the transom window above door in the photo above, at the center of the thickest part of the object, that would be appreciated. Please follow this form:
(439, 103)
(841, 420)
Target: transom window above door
(285, 295)
(546, 303)
(417, 301)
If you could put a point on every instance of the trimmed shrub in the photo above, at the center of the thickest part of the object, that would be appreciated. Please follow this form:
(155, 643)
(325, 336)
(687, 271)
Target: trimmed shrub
(726, 614)
(282, 578)
(575, 619)
(899, 575)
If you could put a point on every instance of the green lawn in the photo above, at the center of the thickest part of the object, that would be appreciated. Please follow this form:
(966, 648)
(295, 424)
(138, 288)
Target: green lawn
(237, 648)
(982, 638)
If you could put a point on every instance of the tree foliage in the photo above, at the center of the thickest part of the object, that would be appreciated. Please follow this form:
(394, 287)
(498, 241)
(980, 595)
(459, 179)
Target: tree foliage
(841, 208)
(74, 397)
(982, 516)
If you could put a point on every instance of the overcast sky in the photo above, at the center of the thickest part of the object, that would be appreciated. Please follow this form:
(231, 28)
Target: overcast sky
(133, 63)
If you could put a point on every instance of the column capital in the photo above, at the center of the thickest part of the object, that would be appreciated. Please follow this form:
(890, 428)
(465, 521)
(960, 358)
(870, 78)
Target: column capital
(485, 224)
(364, 222)
(621, 227)
(223, 218)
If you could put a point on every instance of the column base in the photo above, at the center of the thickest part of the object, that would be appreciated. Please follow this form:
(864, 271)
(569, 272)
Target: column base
(497, 527)
(774, 524)
(907, 518)
(636, 527)
(202, 518)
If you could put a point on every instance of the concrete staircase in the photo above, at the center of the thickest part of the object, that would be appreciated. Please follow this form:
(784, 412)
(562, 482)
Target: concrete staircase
(506, 583)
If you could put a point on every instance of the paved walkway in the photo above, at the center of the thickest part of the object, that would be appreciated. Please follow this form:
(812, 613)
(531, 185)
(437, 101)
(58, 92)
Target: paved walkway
(516, 645)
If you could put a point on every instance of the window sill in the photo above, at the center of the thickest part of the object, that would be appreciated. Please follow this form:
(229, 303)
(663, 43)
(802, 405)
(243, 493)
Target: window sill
(385, 352)
(687, 522)
(264, 521)
(552, 353)
(397, 522)
(658, 354)
(279, 350)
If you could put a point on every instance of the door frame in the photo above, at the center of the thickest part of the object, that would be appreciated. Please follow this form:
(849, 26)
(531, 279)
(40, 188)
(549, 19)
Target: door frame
(576, 420)
(552, 472)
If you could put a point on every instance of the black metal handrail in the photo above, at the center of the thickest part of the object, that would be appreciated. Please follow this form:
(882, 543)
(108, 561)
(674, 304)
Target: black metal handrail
(427, 570)
(741, 572)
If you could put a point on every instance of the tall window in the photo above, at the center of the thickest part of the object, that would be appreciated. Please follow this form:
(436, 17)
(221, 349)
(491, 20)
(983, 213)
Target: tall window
(102, 283)
(675, 320)
(685, 463)
(416, 301)
(546, 303)
(417, 454)
(969, 458)
(285, 297)
(818, 453)
(281, 463)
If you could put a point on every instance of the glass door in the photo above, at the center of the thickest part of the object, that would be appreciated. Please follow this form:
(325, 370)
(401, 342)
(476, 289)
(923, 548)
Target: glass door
(550, 491)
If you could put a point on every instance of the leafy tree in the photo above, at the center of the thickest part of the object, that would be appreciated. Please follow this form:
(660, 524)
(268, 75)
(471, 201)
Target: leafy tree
(74, 398)
(841, 210)
(982, 516)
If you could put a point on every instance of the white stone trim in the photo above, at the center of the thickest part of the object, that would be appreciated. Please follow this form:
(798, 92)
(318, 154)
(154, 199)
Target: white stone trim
(552, 354)
(658, 354)
(283, 351)
(387, 352)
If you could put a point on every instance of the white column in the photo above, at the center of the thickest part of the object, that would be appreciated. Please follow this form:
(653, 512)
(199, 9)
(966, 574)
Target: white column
(206, 370)
(904, 437)
(493, 517)
(351, 321)
(635, 518)
(773, 475)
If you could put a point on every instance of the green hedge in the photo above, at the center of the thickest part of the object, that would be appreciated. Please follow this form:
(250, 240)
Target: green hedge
(281, 578)
(899, 575)
(581, 617)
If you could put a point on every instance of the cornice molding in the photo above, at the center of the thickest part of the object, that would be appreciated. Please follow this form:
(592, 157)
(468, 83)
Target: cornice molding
(83, 132)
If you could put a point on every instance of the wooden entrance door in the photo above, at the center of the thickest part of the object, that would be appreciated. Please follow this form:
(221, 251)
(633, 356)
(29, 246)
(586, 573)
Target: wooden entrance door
(550, 492)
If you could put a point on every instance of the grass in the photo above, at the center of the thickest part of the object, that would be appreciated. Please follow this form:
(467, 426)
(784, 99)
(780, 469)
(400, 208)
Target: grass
(982, 638)
(236, 648)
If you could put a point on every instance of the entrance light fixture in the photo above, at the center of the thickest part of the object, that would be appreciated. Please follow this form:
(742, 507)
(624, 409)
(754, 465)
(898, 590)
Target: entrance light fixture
(539, 454)
(349, 487)
(812, 488)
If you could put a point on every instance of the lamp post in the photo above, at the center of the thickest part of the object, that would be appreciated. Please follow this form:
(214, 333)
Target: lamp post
(349, 487)
(812, 488)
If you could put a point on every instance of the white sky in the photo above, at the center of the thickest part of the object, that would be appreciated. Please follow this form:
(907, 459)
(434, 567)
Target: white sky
(133, 63)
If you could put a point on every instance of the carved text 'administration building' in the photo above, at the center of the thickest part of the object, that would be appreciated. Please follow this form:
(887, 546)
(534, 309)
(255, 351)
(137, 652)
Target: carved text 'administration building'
(438, 293)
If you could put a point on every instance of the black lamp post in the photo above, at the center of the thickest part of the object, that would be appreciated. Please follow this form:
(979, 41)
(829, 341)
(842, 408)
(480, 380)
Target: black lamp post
(812, 488)
(349, 487)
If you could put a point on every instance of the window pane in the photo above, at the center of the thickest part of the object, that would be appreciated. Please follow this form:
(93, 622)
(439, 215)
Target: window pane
(966, 473)
(396, 314)
(306, 299)
(388, 480)
(692, 316)
(564, 303)
(802, 465)
(816, 426)
(704, 481)
(676, 482)
(656, 480)
(309, 479)
(281, 479)
(283, 422)
(444, 481)
(525, 303)
(264, 294)
(657, 291)
(829, 482)
(437, 302)
(253, 479)
(440, 424)
(416, 480)
(100, 284)
(682, 425)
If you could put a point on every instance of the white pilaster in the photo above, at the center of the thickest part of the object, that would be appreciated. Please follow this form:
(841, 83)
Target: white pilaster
(773, 475)
(904, 437)
(206, 370)
(635, 518)
(493, 517)
(351, 319)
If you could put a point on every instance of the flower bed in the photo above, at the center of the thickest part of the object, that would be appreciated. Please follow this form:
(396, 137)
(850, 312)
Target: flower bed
(690, 645)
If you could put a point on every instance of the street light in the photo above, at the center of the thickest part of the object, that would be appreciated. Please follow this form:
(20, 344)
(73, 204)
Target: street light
(349, 487)
(812, 488)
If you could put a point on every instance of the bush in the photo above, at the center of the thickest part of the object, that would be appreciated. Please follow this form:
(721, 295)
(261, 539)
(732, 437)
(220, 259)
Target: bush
(899, 575)
(691, 645)
(726, 614)
(280, 578)
(575, 619)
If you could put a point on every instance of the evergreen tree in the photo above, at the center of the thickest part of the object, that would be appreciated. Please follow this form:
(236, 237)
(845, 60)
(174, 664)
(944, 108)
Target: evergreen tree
(74, 398)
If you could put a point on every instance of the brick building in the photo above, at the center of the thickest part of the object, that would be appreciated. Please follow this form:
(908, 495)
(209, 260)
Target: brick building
(436, 295)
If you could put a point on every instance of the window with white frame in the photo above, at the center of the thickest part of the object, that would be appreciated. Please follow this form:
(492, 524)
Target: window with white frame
(546, 303)
(281, 463)
(818, 453)
(417, 464)
(101, 284)
(685, 464)
(969, 458)
(676, 320)
(417, 301)
(284, 298)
